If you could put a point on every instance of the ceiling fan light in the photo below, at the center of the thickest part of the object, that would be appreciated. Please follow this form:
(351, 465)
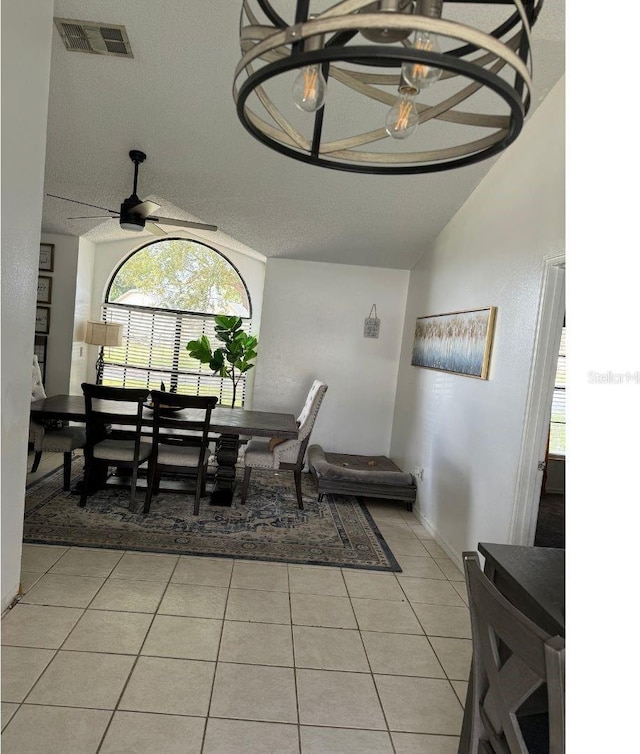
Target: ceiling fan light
(134, 224)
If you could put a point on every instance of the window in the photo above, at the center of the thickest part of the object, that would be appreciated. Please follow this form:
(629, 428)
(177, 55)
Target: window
(557, 430)
(164, 295)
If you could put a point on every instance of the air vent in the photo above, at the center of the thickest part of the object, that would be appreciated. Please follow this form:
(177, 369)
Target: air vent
(96, 38)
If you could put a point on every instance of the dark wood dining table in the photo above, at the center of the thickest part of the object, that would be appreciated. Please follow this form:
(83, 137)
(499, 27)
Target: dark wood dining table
(229, 423)
(532, 579)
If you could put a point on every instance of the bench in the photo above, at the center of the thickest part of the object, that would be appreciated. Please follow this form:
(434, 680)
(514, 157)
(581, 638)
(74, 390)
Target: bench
(359, 475)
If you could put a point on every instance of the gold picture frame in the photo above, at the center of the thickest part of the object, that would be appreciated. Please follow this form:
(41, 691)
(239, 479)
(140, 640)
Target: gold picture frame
(456, 342)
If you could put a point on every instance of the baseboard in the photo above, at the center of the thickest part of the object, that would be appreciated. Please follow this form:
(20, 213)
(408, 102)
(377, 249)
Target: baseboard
(8, 602)
(451, 553)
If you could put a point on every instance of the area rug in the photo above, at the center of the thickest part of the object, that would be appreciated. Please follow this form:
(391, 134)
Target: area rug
(338, 531)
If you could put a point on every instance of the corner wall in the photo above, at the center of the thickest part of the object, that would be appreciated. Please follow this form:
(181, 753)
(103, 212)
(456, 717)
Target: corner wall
(70, 302)
(312, 327)
(26, 55)
(467, 433)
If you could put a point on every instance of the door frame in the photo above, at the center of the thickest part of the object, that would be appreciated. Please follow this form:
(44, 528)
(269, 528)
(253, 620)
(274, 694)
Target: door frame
(528, 487)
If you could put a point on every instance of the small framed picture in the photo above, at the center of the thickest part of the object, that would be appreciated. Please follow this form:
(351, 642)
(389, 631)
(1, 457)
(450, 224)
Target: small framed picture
(43, 319)
(46, 257)
(44, 289)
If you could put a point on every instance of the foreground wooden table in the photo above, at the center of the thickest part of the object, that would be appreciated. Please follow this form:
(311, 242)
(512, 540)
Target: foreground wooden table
(532, 579)
(229, 423)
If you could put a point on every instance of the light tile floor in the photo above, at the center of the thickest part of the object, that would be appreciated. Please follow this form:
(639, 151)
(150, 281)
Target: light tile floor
(116, 652)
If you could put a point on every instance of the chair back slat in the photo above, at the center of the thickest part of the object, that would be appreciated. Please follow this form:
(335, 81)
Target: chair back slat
(512, 658)
(106, 406)
(195, 422)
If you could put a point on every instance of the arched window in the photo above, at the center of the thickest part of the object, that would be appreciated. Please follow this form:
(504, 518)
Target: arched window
(164, 295)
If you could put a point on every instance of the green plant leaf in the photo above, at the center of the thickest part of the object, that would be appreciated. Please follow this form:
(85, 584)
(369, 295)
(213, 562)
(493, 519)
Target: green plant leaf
(200, 349)
(230, 360)
(216, 362)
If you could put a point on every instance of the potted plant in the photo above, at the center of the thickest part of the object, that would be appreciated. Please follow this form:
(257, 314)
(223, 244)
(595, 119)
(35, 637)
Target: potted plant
(232, 359)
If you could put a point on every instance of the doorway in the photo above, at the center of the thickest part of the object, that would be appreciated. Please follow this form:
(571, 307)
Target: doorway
(535, 437)
(550, 525)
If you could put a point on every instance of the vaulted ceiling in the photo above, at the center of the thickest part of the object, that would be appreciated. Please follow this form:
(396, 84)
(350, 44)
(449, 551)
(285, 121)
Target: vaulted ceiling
(173, 101)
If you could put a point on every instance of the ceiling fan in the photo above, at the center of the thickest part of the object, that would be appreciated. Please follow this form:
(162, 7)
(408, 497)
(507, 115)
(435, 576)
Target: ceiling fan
(136, 214)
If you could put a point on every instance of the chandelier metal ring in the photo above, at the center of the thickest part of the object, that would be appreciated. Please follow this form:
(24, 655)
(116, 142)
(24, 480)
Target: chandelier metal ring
(269, 51)
(488, 79)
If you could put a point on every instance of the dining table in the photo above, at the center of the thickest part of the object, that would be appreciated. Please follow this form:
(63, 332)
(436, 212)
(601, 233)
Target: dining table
(230, 424)
(533, 580)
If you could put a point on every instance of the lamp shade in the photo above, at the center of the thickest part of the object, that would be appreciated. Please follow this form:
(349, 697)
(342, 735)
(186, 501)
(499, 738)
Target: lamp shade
(103, 334)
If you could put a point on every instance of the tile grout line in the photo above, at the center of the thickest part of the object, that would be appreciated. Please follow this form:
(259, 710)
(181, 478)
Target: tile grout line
(217, 660)
(295, 673)
(225, 620)
(59, 649)
(137, 656)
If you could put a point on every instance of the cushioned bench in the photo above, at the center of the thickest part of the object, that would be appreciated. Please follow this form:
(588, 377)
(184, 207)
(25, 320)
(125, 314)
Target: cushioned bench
(363, 476)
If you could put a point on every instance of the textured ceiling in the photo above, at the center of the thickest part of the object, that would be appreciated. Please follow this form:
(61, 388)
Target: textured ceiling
(173, 101)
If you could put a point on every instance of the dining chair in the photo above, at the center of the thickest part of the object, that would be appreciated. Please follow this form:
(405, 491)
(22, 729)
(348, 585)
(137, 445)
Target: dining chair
(513, 658)
(52, 437)
(173, 452)
(114, 434)
(280, 454)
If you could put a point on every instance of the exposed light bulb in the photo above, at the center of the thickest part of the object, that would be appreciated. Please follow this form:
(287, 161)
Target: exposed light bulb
(402, 118)
(418, 74)
(309, 89)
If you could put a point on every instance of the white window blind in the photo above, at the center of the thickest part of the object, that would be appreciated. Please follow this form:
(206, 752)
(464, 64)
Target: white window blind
(154, 350)
(557, 430)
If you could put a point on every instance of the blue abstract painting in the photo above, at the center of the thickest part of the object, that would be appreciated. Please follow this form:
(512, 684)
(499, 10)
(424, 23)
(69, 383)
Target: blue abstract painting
(458, 342)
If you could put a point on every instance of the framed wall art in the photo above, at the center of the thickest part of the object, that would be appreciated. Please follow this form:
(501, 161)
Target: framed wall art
(43, 319)
(457, 342)
(44, 289)
(46, 257)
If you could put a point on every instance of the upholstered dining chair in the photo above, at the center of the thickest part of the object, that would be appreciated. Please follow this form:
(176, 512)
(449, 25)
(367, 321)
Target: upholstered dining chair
(114, 434)
(179, 453)
(513, 658)
(278, 454)
(58, 438)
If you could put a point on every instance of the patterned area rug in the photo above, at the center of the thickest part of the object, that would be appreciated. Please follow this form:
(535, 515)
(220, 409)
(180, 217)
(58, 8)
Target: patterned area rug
(339, 531)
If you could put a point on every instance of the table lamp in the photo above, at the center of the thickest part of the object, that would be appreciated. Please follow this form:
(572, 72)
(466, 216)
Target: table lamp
(102, 334)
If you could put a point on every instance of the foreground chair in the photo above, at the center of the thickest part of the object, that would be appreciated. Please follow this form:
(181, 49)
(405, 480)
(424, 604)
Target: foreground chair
(109, 444)
(175, 453)
(55, 437)
(276, 454)
(512, 659)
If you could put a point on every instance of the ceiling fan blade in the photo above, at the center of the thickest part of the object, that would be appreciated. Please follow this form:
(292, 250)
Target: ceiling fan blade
(155, 229)
(145, 208)
(92, 217)
(75, 201)
(181, 223)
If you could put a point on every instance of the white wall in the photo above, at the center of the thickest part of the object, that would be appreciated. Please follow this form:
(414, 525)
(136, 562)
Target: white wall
(26, 53)
(312, 327)
(64, 329)
(108, 256)
(80, 363)
(467, 433)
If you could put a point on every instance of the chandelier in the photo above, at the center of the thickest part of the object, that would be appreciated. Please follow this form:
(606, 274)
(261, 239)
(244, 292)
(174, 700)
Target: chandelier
(387, 87)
